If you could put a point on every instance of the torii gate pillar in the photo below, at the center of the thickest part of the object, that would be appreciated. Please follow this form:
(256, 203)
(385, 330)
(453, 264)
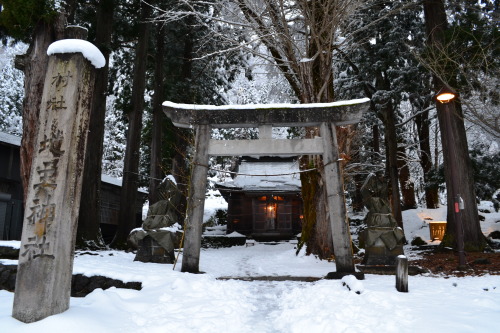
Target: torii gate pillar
(196, 201)
(342, 243)
(326, 115)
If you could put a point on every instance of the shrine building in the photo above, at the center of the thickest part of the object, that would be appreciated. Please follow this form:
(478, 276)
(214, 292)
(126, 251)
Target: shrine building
(264, 198)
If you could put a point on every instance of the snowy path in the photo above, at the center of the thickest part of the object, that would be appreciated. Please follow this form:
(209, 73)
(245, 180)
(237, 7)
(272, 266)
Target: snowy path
(265, 296)
(262, 260)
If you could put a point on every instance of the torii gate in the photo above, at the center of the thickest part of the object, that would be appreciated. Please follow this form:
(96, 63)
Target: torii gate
(324, 115)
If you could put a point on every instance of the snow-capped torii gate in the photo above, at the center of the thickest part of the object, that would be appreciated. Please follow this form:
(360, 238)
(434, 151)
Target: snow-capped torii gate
(324, 115)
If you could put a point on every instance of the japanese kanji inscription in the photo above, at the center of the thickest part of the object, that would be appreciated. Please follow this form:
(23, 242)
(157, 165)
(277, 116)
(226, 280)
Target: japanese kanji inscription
(43, 283)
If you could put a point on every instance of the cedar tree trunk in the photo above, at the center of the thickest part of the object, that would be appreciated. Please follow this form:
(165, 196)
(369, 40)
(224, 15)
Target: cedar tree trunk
(89, 232)
(156, 136)
(458, 171)
(431, 192)
(34, 64)
(127, 215)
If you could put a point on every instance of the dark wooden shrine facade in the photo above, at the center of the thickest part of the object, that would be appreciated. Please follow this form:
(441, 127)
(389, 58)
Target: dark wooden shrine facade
(270, 207)
(264, 216)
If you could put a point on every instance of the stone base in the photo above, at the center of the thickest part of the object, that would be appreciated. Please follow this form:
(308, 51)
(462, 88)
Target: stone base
(340, 275)
(150, 251)
(381, 255)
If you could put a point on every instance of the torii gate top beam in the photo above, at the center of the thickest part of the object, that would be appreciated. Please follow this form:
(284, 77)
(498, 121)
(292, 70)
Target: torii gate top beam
(281, 115)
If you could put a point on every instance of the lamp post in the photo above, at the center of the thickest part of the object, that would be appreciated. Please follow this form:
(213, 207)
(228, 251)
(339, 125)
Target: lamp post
(445, 96)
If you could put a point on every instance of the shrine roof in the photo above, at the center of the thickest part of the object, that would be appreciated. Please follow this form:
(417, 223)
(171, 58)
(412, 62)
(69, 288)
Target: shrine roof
(10, 139)
(265, 176)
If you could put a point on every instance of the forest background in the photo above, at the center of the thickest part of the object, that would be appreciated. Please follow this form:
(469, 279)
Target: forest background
(258, 51)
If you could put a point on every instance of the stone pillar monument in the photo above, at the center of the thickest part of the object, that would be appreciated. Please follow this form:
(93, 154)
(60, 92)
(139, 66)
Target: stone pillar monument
(44, 274)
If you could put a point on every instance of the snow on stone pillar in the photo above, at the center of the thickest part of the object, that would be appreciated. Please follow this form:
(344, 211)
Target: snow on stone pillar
(43, 284)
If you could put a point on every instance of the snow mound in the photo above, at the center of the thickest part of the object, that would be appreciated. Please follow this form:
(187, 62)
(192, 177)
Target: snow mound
(353, 284)
(235, 234)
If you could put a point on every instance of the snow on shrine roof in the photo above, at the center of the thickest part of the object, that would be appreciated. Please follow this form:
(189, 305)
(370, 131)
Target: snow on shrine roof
(117, 182)
(276, 176)
(10, 139)
(87, 49)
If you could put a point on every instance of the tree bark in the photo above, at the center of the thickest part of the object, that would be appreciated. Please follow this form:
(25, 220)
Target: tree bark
(183, 138)
(407, 187)
(127, 219)
(376, 139)
(431, 192)
(155, 173)
(89, 232)
(34, 64)
(458, 171)
(386, 114)
(179, 166)
(357, 198)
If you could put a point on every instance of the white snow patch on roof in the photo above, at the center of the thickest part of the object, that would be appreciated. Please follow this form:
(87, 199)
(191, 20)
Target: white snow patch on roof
(10, 139)
(260, 175)
(111, 180)
(235, 234)
(263, 106)
(117, 182)
(11, 243)
(88, 50)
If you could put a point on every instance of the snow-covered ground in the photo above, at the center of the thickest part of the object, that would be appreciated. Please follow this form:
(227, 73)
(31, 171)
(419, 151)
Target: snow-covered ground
(171, 301)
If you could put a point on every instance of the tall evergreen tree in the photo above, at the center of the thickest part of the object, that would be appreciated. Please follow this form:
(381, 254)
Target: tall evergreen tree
(384, 67)
(156, 136)
(127, 217)
(458, 171)
(88, 234)
(11, 86)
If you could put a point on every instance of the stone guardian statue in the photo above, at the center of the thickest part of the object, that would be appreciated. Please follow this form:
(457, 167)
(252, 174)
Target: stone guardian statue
(383, 238)
(159, 235)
